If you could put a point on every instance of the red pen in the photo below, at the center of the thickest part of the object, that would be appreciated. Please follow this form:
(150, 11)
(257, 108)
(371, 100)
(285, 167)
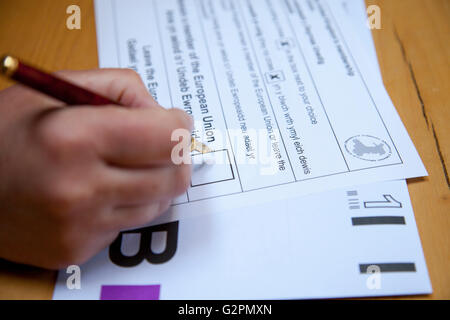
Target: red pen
(62, 90)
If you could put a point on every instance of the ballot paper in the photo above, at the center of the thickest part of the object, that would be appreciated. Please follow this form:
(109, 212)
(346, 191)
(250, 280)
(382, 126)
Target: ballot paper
(359, 241)
(284, 93)
(356, 241)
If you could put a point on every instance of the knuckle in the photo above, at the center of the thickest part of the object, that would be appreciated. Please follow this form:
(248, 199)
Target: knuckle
(181, 119)
(63, 198)
(58, 141)
(132, 75)
(146, 214)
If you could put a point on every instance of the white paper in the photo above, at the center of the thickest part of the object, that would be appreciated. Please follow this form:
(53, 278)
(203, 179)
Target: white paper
(352, 18)
(308, 247)
(284, 117)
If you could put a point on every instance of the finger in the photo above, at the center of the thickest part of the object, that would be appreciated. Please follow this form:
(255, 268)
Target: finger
(91, 246)
(119, 136)
(122, 85)
(24, 97)
(139, 187)
(140, 137)
(137, 216)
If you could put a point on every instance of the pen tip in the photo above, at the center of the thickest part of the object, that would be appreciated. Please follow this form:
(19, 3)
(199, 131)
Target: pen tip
(198, 146)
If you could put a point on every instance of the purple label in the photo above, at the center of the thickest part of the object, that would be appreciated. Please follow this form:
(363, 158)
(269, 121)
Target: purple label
(126, 292)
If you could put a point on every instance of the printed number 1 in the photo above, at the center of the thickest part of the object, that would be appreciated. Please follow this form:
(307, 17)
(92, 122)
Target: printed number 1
(389, 202)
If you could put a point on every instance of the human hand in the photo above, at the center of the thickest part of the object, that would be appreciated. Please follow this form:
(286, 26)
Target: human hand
(72, 178)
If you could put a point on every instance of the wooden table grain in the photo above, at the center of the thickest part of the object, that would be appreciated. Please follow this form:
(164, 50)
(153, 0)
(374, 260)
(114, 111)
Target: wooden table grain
(413, 50)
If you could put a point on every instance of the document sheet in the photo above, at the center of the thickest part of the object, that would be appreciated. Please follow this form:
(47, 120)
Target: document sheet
(359, 241)
(241, 230)
(286, 97)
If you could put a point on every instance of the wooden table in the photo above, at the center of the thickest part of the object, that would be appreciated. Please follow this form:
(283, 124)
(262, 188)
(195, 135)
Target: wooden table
(413, 50)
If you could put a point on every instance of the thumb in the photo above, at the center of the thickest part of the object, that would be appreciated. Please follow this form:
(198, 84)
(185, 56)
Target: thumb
(122, 85)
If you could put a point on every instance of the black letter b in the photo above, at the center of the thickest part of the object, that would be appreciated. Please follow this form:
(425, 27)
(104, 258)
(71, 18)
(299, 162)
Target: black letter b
(145, 249)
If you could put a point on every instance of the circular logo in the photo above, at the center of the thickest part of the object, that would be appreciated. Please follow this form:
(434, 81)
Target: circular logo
(368, 148)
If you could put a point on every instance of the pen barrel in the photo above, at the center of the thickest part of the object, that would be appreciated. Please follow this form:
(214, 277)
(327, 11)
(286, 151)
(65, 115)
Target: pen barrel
(56, 87)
